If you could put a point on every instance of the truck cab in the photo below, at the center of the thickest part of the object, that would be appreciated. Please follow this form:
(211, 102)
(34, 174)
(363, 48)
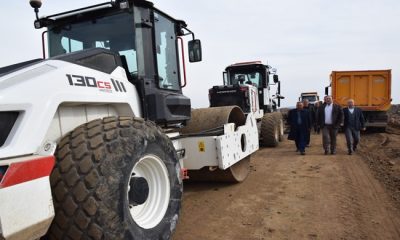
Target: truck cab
(312, 97)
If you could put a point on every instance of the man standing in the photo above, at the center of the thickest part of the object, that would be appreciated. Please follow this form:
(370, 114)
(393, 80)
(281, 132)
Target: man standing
(353, 122)
(307, 107)
(330, 117)
(299, 120)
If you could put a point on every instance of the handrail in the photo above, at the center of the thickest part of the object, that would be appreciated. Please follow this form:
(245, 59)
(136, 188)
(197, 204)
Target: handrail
(43, 45)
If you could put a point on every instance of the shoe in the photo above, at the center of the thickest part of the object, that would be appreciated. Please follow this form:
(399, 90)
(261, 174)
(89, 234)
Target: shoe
(326, 152)
(303, 153)
(333, 152)
(354, 148)
(297, 150)
(350, 152)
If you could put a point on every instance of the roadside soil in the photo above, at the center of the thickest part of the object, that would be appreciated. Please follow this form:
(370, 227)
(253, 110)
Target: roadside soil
(381, 151)
(289, 196)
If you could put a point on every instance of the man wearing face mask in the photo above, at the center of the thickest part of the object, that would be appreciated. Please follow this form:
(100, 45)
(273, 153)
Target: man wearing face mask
(330, 117)
(353, 122)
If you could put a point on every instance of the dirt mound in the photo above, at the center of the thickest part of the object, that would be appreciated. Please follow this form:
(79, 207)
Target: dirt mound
(394, 116)
(382, 153)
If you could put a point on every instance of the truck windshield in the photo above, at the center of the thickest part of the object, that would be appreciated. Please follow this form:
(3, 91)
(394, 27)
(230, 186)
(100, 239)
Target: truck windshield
(310, 98)
(252, 78)
(115, 33)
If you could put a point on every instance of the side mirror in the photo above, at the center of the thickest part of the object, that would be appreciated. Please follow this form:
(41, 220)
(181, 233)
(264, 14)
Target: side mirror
(276, 79)
(194, 47)
(326, 91)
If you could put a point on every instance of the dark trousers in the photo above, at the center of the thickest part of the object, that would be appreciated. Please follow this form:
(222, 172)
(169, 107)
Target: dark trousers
(329, 133)
(352, 138)
(301, 138)
(308, 137)
(316, 128)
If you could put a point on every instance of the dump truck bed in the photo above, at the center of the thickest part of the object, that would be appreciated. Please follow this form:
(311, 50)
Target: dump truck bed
(371, 90)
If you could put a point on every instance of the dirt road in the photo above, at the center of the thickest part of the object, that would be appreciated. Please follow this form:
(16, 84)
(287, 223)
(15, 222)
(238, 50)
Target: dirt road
(288, 196)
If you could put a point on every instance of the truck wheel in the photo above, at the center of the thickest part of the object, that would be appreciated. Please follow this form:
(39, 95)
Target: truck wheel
(269, 131)
(281, 127)
(116, 178)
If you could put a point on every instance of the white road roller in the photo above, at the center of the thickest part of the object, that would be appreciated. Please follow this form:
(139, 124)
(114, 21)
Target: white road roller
(96, 139)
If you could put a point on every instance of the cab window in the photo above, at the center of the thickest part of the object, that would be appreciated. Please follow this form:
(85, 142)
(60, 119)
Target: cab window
(166, 49)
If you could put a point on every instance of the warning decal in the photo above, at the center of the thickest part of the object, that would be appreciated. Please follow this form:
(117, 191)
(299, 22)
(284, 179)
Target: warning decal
(202, 146)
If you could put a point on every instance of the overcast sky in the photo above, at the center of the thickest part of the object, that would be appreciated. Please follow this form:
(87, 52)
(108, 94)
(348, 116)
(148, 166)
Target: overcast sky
(304, 40)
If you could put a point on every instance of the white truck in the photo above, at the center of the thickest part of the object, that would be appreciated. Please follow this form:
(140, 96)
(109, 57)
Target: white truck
(96, 139)
(312, 97)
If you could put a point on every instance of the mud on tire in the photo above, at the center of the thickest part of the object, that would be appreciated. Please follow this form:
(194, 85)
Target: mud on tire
(91, 180)
(269, 131)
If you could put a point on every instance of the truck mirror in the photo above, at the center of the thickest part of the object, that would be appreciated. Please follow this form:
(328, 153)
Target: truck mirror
(195, 54)
(276, 79)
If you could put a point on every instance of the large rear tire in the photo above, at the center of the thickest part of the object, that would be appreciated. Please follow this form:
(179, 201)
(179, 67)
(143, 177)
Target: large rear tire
(269, 131)
(116, 178)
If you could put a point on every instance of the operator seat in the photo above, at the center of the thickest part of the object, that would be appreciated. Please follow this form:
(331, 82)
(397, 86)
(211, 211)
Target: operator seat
(241, 79)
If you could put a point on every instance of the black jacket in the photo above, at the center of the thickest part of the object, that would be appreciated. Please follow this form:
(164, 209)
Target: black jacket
(359, 118)
(311, 110)
(337, 115)
(294, 127)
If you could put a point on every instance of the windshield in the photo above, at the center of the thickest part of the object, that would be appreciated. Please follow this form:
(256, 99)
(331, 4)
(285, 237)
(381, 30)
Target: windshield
(115, 33)
(252, 77)
(310, 98)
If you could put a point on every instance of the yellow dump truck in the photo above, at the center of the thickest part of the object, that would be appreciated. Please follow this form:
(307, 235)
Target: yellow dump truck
(371, 91)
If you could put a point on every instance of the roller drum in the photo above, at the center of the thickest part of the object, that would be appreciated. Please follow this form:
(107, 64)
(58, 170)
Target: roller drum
(206, 119)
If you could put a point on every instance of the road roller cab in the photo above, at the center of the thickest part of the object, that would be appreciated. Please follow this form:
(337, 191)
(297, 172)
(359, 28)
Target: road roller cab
(248, 85)
(240, 80)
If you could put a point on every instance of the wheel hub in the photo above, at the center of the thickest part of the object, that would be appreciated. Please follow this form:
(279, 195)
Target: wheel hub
(139, 191)
(149, 191)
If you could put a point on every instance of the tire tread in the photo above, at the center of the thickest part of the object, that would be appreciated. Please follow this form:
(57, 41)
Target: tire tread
(82, 178)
